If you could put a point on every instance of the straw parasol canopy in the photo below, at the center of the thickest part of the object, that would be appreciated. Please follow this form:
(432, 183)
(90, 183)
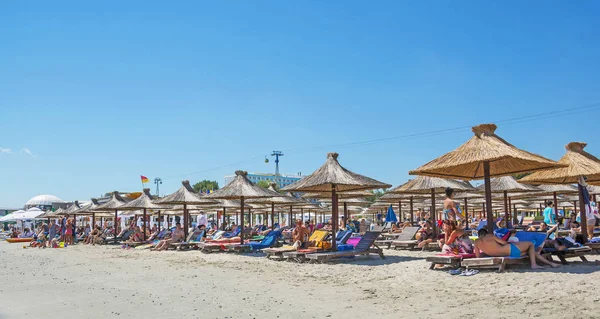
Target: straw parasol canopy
(352, 194)
(185, 195)
(332, 177)
(483, 156)
(283, 200)
(88, 209)
(506, 185)
(144, 202)
(71, 209)
(241, 188)
(332, 173)
(113, 204)
(432, 186)
(577, 164)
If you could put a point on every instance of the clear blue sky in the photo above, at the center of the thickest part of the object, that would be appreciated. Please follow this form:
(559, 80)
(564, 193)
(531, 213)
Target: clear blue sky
(101, 93)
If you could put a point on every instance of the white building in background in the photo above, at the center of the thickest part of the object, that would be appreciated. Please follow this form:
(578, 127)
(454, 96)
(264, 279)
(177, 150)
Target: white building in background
(43, 202)
(281, 180)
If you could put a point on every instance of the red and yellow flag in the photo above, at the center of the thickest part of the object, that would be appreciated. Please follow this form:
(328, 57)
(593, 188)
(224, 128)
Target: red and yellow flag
(144, 179)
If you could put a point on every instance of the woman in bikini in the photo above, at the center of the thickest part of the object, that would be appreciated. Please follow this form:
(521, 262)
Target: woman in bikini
(450, 214)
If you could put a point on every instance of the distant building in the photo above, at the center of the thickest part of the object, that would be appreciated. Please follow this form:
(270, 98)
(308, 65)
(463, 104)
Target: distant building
(281, 180)
(7, 210)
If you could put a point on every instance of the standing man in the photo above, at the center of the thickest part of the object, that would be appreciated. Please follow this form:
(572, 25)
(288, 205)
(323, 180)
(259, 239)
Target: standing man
(549, 216)
(201, 220)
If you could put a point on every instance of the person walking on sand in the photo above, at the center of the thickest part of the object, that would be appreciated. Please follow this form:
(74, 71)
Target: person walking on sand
(493, 246)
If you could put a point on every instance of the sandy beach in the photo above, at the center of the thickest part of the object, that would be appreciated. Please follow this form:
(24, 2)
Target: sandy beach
(107, 281)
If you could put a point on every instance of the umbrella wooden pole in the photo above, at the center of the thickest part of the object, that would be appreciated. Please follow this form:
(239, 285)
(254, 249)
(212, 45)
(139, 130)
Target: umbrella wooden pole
(400, 219)
(555, 207)
(334, 217)
(466, 213)
(224, 214)
(345, 214)
(144, 224)
(488, 197)
(272, 215)
(93, 220)
(290, 219)
(433, 212)
(74, 226)
(584, 231)
(115, 227)
(302, 214)
(159, 223)
(185, 219)
(506, 212)
(515, 218)
(242, 220)
(412, 217)
(510, 214)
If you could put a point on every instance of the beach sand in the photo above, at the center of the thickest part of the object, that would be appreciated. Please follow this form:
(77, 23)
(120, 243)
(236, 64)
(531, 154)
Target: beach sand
(109, 282)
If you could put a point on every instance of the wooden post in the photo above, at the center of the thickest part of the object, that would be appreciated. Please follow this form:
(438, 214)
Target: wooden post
(510, 214)
(400, 219)
(242, 220)
(290, 224)
(555, 207)
(506, 209)
(185, 228)
(345, 215)
(144, 224)
(224, 214)
(302, 214)
(272, 215)
(488, 197)
(434, 213)
(334, 217)
(115, 226)
(93, 220)
(159, 223)
(412, 217)
(584, 231)
(466, 213)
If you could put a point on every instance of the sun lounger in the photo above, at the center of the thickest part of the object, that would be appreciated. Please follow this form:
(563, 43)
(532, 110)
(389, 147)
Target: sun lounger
(406, 239)
(300, 254)
(216, 245)
(317, 237)
(447, 259)
(362, 248)
(500, 263)
(563, 255)
(269, 240)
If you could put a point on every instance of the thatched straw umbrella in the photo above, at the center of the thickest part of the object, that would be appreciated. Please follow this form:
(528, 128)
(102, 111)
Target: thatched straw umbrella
(431, 185)
(113, 203)
(506, 185)
(144, 202)
(343, 197)
(241, 188)
(484, 156)
(283, 200)
(578, 166)
(185, 195)
(332, 177)
(89, 209)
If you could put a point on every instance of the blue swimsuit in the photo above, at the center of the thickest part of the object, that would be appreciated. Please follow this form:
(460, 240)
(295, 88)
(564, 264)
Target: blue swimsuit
(515, 252)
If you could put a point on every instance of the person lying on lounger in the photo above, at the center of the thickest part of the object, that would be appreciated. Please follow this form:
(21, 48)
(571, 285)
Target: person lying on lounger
(493, 246)
(458, 242)
(551, 237)
(177, 236)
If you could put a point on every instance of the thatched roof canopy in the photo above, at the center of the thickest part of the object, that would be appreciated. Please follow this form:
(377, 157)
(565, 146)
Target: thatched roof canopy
(465, 162)
(88, 209)
(576, 163)
(286, 200)
(332, 173)
(508, 184)
(350, 201)
(71, 209)
(185, 195)
(340, 196)
(424, 184)
(242, 187)
(144, 201)
(113, 203)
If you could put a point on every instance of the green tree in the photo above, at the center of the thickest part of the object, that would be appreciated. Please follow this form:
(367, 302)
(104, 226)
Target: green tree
(263, 184)
(521, 175)
(206, 185)
(376, 194)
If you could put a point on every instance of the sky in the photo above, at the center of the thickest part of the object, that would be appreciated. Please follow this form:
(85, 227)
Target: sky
(95, 94)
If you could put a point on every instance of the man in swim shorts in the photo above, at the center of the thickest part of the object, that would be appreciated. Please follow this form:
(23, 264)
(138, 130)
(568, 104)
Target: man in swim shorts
(495, 247)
